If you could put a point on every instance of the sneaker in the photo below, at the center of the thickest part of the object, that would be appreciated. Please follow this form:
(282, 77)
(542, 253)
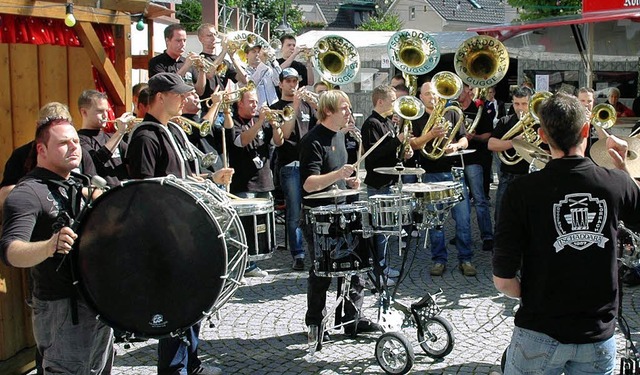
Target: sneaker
(390, 272)
(390, 281)
(487, 245)
(206, 370)
(256, 272)
(467, 269)
(298, 264)
(437, 269)
(364, 326)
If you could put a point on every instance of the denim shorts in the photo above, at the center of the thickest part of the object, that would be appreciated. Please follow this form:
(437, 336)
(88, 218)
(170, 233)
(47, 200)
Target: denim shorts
(532, 352)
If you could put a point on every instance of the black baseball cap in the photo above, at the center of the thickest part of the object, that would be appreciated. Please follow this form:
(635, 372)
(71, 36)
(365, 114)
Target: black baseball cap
(164, 82)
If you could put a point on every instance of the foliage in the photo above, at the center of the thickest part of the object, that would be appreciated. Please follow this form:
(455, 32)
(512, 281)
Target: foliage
(536, 9)
(386, 22)
(190, 12)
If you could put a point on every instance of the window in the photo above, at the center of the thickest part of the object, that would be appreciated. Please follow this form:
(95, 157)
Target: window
(412, 13)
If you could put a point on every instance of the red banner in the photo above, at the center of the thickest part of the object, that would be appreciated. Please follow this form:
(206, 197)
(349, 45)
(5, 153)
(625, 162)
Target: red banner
(600, 5)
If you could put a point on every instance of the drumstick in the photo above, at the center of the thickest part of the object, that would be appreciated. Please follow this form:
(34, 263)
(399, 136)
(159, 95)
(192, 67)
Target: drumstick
(225, 163)
(232, 196)
(361, 158)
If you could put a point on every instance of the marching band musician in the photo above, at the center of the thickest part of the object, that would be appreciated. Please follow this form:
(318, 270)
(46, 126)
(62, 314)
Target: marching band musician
(563, 242)
(264, 75)
(37, 234)
(509, 173)
(172, 61)
(289, 52)
(478, 163)
(288, 157)
(249, 154)
(107, 151)
(440, 170)
(157, 149)
(207, 35)
(386, 154)
(323, 158)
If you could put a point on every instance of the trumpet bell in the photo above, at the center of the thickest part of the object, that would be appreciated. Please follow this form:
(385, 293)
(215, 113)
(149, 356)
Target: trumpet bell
(413, 51)
(603, 116)
(336, 60)
(408, 107)
(481, 61)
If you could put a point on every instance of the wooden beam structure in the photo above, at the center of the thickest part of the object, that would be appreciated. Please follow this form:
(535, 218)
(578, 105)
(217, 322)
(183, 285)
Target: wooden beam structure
(44, 9)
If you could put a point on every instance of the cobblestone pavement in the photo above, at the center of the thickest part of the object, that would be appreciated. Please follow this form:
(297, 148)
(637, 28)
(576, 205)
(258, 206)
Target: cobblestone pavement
(261, 329)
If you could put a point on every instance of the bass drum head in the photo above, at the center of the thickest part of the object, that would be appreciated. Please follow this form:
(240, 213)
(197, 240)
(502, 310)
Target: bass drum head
(150, 259)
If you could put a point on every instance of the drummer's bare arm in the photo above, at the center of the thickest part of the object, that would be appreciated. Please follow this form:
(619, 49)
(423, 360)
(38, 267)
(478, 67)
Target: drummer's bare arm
(497, 145)
(318, 182)
(461, 144)
(28, 254)
(353, 182)
(510, 287)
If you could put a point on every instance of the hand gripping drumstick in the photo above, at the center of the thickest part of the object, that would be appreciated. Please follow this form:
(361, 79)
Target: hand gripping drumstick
(361, 158)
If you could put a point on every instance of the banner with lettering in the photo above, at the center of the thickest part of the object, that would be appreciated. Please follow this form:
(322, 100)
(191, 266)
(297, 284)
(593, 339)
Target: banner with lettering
(600, 5)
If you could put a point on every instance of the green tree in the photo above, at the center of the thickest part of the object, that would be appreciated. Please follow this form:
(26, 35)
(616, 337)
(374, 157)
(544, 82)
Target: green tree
(536, 9)
(386, 22)
(190, 12)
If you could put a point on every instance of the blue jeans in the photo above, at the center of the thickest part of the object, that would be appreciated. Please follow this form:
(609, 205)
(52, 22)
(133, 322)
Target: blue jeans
(461, 215)
(504, 179)
(292, 190)
(380, 240)
(474, 176)
(175, 357)
(251, 265)
(532, 352)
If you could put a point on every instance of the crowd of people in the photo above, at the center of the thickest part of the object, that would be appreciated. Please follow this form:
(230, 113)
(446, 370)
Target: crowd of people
(271, 133)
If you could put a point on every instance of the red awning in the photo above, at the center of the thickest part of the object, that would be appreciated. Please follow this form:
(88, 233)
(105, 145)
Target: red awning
(509, 30)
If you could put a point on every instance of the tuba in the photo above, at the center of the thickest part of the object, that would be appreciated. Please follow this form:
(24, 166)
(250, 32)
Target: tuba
(603, 116)
(188, 125)
(481, 61)
(525, 127)
(448, 86)
(336, 60)
(414, 53)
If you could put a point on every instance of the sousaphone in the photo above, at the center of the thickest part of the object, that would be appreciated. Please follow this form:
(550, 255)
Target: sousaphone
(414, 53)
(481, 61)
(336, 60)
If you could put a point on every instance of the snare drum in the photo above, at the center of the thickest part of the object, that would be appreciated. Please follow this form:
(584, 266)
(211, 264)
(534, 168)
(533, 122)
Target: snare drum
(156, 256)
(390, 210)
(432, 201)
(339, 245)
(259, 221)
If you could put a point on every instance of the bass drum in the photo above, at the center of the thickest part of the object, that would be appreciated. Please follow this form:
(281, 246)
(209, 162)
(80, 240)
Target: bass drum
(156, 256)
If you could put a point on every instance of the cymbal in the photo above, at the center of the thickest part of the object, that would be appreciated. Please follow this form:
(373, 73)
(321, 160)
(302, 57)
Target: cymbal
(460, 152)
(399, 170)
(531, 153)
(600, 155)
(333, 193)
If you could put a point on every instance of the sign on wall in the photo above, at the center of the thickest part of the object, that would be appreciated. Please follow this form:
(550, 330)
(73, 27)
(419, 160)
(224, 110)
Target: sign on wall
(599, 5)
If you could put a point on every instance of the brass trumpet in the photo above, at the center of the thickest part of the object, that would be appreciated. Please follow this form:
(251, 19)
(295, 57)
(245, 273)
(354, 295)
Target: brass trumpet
(448, 86)
(603, 116)
(188, 125)
(281, 115)
(134, 122)
(307, 96)
(234, 96)
(525, 127)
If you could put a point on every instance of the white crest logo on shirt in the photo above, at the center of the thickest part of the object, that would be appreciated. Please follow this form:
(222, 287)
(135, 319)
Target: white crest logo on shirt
(579, 220)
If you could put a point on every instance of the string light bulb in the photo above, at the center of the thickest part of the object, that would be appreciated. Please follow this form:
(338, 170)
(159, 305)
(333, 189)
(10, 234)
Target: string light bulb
(69, 19)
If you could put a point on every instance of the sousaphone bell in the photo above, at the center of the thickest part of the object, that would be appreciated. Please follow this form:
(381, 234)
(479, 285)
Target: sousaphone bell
(481, 61)
(414, 53)
(336, 60)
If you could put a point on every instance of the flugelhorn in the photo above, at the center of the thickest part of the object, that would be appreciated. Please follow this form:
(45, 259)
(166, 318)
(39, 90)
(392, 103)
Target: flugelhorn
(336, 60)
(188, 125)
(447, 86)
(481, 61)
(525, 127)
(603, 116)
(414, 53)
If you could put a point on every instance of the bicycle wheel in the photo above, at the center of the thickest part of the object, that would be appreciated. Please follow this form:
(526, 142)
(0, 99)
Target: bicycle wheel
(436, 337)
(394, 353)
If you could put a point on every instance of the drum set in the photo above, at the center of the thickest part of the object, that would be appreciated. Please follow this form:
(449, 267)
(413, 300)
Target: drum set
(340, 250)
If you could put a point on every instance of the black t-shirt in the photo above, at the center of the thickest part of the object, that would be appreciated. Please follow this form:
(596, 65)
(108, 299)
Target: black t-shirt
(31, 213)
(504, 125)
(444, 163)
(108, 165)
(163, 63)
(305, 120)
(216, 81)
(322, 151)
(151, 153)
(559, 226)
(385, 155)
(251, 162)
(23, 159)
(482, 154)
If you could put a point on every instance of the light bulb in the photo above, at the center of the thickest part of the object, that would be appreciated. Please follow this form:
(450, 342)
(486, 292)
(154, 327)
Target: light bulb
(140, 25)
(69, 19)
